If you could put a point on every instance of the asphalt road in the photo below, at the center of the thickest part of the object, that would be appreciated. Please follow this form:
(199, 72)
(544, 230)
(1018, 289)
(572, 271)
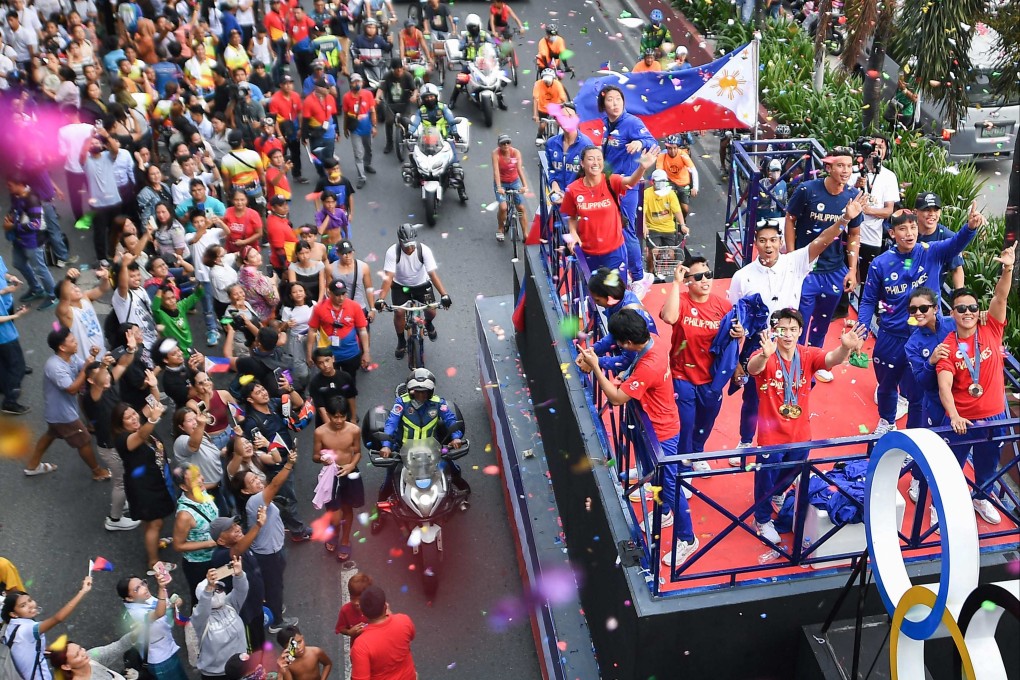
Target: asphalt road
(50, 526)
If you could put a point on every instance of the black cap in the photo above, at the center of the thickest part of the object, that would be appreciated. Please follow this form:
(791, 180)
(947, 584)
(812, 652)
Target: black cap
(338, 287)
(277, 200)
(287, 79)
(235, 137)
(345, 246)
(322, 82)
(927, 201)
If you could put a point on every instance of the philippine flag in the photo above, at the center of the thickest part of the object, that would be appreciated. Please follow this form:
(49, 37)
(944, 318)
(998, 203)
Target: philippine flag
(720, 95)
(100, 564)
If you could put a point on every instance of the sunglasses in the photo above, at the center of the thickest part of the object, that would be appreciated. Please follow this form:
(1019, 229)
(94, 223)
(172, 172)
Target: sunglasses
(902, 212)
(963, 309)
(914, 309)
(700, 275)
(504, 143)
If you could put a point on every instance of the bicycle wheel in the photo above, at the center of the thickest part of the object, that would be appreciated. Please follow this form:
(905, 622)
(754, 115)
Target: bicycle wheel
(441, 71)
(415, 351)
(512, 225)
(398, 140)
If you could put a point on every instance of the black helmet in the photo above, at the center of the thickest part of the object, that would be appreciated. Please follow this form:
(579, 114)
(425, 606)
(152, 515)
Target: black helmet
(406, 234)
(421, 380)
(552, 29)
(649, 52)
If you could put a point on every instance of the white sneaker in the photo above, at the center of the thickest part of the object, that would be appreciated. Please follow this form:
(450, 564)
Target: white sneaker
(737, 461)
(701, 466)
(876, 396)
(667, 521)
(768, 531)
(987, 511)
(687, 492)
(683, 551)
(777, 501)
(883, 427)
(635, 495)
(122, 524)
(915, 489)
(631, 474)
(933, 520)
(638, 288)
(822, 375)
(539, 142)
(902, 406)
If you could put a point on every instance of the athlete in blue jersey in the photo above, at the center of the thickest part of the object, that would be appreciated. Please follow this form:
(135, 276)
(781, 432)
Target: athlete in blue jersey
(814, 206)
(563, 155)
(623, 139)
(892, 277)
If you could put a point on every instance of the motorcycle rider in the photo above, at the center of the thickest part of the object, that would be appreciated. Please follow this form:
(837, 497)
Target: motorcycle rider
(412, 267)
(655, 34)
(471, 41)
(433, 113)
(416, 413)
(397, 91)
(549, 50)
(369, 49)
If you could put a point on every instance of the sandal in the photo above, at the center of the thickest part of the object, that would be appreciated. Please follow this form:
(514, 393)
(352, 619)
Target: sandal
(43, 469)
(104, 475)
(344, 553)
(500, 236)
(331, 544)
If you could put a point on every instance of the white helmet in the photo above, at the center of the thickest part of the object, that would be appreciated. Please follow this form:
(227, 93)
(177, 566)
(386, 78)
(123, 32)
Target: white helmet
(775, 165)
(548, 74)
(473, 21)
(429, 90)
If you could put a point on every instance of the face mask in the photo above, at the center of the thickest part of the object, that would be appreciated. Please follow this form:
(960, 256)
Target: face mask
(218, 600)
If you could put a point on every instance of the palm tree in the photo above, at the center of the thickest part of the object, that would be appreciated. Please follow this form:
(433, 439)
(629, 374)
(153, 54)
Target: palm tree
(1006, 83)
(867, 19)
(821, 32)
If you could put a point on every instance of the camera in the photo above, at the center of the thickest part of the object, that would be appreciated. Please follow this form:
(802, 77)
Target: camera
(865, 150)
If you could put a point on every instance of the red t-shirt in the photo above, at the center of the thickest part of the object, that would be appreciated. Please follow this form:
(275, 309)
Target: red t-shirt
(990, 403)
(240, 228)
(266, 146)
(299, 29)
(652, 385)
(276, 25)
(285, 107)
(383, 651)
(319, 113)
(598, 219)
(772, 427)
(693, 335)
(349, 617)
(279, 232)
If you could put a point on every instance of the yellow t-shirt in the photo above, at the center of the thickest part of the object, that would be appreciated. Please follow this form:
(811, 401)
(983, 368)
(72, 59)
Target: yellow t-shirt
(242, 166)
(659, 211)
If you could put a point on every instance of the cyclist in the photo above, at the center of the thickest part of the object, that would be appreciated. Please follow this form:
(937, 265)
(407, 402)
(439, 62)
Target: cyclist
(664, 220)
(680, 170)
(375, 10)
(471, 40)
(416, 414)
(647, 63)
(549, 50)
(548, 90)
(397, 91)
(500, 15)
(413, 46)
(433, 113)
(563, 153)
(655, 34)
(439, 23)
(412, 267)
(508, 173)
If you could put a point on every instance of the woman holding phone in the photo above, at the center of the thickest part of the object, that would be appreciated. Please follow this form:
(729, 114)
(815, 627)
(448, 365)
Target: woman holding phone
(154, 618)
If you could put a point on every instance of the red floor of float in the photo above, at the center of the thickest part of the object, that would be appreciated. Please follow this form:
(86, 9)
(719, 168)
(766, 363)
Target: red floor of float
(845, 407)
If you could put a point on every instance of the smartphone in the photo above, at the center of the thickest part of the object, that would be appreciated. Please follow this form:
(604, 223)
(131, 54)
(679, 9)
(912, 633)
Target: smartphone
(161, 570)
(223, 572)
(151, 400)
(255, 434)
(291, 651)
(202, 408)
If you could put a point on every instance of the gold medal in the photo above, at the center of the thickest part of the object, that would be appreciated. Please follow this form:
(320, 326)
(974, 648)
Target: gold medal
(795, 411)
(975, 390)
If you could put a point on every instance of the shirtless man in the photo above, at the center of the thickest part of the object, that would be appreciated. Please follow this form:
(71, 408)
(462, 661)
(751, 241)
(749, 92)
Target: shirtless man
(338, 441)
(299, 662)
(74, 311)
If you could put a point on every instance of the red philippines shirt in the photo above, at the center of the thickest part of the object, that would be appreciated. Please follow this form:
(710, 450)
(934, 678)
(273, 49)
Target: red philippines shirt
(240, 227)
(991, 378)
(285, 107)
(598, 218)
(652, 385)
(279, 232)
(350, 616)
(772, 427)
(299, 29)
(383, 651)
(693, 335)
(319, 112)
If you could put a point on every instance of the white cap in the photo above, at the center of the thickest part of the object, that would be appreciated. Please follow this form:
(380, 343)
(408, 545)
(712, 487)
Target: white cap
(681, 50)
(661, 180)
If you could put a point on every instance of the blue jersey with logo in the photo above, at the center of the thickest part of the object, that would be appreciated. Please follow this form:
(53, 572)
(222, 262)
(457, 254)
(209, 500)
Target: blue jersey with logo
(615, 138)
(565, 164)
(815, 210)
(941, 233)
(921, 343)
(894, 275)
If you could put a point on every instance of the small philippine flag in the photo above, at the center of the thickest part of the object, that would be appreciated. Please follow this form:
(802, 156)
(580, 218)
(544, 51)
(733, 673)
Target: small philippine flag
(100, 564)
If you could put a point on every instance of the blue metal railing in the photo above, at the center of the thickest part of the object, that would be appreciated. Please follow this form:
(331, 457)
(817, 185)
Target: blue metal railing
(629, 442)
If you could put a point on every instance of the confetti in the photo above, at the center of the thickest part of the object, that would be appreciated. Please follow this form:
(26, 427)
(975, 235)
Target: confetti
(491, 470)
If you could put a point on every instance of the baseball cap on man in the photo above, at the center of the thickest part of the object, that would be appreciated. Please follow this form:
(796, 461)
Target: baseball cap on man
(338, 287)
(838, 152)
(221, 524)
(927, 201)
(344, 247)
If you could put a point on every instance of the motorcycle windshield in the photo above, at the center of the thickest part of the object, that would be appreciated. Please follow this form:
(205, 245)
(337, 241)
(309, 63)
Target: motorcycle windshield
(421, 460)
(430, 143)
(486, 61)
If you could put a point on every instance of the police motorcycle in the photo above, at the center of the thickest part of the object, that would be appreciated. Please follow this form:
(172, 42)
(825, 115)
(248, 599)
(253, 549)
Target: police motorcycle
(484, 81)
(424, 495)
(430, 165)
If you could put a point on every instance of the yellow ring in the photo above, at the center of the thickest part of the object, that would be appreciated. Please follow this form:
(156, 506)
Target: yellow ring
(919, 595)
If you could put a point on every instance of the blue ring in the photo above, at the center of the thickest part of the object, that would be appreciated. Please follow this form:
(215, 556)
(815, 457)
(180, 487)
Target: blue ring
(926, 627)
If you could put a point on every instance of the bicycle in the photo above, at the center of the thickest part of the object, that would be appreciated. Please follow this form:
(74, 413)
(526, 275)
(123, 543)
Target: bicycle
(508, 53)
(414, 329)
(512, 224)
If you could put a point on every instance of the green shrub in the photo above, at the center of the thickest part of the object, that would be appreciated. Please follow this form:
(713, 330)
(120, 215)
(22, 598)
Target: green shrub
(982, 272)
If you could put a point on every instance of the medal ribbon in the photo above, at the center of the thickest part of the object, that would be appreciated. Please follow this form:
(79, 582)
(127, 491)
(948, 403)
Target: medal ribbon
(791, 377)
(973, 366)
(626, 374)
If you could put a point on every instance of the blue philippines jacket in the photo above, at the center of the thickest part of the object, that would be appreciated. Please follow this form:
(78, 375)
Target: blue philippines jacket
(753, 315)
(565, 164)
(918, 349)
(603, 346)
(406, 416)
(894, 275)
(615, 138)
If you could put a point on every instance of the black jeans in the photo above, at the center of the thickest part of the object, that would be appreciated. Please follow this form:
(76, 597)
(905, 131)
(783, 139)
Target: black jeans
(12, 371)
(294, 152)
(273, 566)
(102, 222)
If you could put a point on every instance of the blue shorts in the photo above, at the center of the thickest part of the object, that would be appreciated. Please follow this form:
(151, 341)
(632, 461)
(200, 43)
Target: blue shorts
(515, 186)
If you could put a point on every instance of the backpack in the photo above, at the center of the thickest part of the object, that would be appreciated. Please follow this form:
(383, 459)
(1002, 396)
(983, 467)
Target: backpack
(8, 671)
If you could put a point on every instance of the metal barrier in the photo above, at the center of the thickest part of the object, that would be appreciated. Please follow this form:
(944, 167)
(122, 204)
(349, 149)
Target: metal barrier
(629, 443)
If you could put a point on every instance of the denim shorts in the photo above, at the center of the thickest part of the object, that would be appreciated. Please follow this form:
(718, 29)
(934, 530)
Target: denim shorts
(515, 185)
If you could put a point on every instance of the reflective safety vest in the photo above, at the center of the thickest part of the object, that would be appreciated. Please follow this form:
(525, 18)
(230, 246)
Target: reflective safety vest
(430, 410)
(434, 118)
